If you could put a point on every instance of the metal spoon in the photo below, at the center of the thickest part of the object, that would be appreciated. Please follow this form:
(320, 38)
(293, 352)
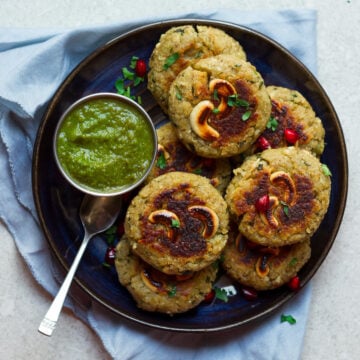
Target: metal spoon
(97, 214)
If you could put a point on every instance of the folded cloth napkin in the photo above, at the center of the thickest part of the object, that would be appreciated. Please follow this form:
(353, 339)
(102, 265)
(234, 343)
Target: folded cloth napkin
(33, 63)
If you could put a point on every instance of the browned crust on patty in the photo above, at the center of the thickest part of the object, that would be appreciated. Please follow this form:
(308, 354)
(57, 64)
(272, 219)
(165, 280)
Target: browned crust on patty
(155, 291)
(219, 106)
(298, 191)
(293, 112)
(178, 223)
(260, 267)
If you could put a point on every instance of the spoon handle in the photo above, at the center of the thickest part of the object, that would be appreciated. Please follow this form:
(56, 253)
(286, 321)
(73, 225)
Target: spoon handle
(48, 323)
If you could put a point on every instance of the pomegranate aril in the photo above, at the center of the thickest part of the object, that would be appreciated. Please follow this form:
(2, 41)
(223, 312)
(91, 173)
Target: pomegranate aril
(140, 68)
(262, 204)
(110, 255)
(209, 297)
(294, 283)
(291, 136)
(262, 143)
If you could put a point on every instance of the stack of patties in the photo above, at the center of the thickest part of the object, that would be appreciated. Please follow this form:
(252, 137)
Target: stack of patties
(277, 200)
(175, 231)
(224, 122)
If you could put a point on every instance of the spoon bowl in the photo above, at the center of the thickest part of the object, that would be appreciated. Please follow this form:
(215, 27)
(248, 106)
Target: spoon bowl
(97, 214)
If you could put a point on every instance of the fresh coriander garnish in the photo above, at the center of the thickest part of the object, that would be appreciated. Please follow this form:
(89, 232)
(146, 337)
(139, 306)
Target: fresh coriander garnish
(170, 60)
(120, 86)
(285, 208)
(133, 61)
(215, 111)
(129, 75)
(234, 100)
(110, 234)
(105, 264)
(138, 80)
(288, 318)
(172, 291)
(272, 123)
(221, 294)
(161, 161)
(178, 94)
(246, 115)
(175, 223)
(326, 170)
(129, 80)
(293, 261)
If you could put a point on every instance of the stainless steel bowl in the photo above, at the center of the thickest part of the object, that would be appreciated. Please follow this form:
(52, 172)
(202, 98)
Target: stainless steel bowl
(133, 105)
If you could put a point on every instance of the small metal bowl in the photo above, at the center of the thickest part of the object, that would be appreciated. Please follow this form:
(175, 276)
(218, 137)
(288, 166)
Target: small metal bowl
(132, 105)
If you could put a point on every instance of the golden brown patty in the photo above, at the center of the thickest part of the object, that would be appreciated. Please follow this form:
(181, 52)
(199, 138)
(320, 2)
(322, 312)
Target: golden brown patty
(182, 46)
(293, 121)
(156, 291)
(279, 196)
(219, 105)
(260, 267)
(177, 223)
(174, 156)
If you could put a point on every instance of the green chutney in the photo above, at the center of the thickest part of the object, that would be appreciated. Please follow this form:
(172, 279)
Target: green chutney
(105, 144)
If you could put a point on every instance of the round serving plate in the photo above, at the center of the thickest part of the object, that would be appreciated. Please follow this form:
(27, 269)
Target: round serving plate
(57, 202)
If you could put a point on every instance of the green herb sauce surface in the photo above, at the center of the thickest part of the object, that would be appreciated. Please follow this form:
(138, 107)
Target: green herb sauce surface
(105, 145)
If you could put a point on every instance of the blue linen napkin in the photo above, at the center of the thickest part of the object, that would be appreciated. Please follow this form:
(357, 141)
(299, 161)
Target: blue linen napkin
(33, 63)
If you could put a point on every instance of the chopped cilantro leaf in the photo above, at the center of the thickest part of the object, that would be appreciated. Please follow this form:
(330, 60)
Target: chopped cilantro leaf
(111, 230)
(233, 100)
(120, 86)
(172, 291)
(178, 94)
(272, 124)
(138, 80)
(170, 60)
(285, 208)
(127, 73)
(133, 61)
(127, 92)
(326, 170)
(161, 161)
(246, 115)
(288, 318)
(175, 223)
(128, 81)
(110, 235)
(221, 294)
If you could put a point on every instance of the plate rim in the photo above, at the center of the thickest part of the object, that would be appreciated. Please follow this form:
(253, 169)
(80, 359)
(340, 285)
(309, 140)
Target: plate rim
(176, 22)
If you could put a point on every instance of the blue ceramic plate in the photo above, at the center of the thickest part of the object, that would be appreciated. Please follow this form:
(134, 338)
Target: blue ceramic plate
(58, 203)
